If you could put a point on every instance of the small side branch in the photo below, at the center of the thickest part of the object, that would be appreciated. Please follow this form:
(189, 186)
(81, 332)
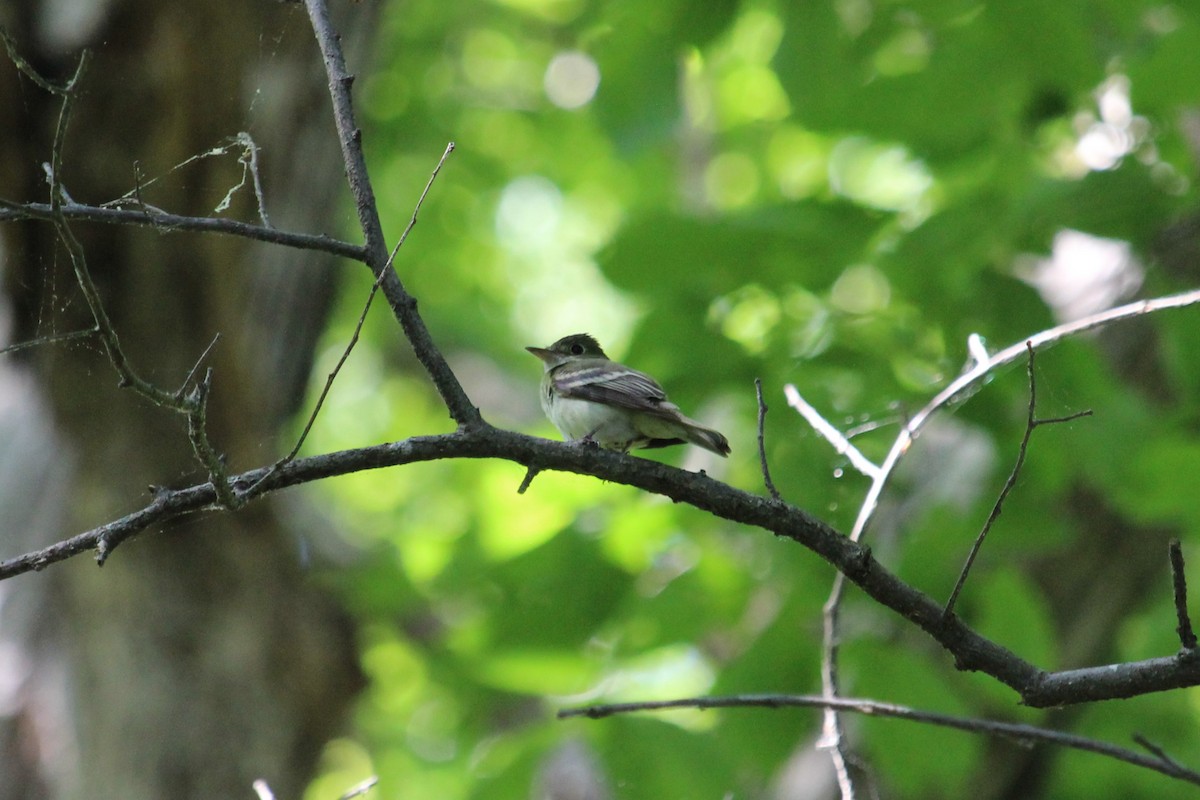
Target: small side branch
(1031, 424)
(527, 481)
(197, 434)
(762, 447)
(1187, 637)
(1157, 751)
(361, 788)
(833, 735)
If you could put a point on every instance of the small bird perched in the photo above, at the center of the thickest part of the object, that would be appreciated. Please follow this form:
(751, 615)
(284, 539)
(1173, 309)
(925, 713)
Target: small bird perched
(593, 399)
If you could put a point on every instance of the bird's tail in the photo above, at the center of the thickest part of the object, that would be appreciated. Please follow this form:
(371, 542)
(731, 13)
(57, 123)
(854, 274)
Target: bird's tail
(704, 437)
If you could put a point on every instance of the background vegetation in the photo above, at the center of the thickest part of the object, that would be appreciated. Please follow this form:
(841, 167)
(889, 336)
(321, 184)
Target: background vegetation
(830, 194)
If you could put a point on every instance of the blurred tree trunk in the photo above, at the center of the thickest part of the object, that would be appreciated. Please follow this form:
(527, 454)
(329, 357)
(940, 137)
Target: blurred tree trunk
(201, 656)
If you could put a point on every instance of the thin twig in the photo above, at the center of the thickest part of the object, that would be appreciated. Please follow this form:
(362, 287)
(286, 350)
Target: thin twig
(1008, 486)
(1031, 424)
(833, 734)
(26, 68)
(362, 318)
(192, 405)
(179, 393)
(1017, 732)
(1158, 752)
(53, 338)
(762, 447)
(107, 333)
(251, 154)
(337, 368)
(1187, 637)
(412, 222)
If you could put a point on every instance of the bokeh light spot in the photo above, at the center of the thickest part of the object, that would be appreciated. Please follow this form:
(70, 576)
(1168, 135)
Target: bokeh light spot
(571, 79)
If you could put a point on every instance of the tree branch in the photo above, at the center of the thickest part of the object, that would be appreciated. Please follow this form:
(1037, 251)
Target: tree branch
(362, 319)
(160, 220)
(973, 379)
(1020, 733)
(972, 651)
(403, 305)
(1031, 424)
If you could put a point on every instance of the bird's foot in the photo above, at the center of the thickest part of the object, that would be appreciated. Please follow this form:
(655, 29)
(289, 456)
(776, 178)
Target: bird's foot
(588, 441)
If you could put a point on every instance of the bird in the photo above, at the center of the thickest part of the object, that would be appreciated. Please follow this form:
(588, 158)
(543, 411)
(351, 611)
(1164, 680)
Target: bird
(595, 400)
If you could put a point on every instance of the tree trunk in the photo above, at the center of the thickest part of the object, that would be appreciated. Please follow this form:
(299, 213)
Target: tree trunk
(202, 656)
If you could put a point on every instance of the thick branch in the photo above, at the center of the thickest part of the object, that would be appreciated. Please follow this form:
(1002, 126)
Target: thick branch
(971, 650)
(403, 305)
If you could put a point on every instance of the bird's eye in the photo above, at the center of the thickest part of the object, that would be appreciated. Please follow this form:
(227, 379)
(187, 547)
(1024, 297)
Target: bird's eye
(576, 349)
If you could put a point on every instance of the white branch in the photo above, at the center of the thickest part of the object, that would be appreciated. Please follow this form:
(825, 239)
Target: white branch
(831, 434)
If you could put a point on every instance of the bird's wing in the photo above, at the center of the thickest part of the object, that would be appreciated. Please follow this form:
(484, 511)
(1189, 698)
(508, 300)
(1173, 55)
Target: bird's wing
(614, 385)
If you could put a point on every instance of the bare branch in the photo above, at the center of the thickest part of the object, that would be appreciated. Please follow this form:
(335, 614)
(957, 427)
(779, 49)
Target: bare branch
(25, 67)
(1031, 424)
(360, 788)
(104, 326)
(831, 434)
(50, 339)
(1020, 733)
(527, 481)
(197, 433)
(193, 405)
(833, 733)
(1187, 637)
(970, 381)
(762, 447)
(403, 305)
(196, 367)
(362, 319)
(144, 217)
(250, 159)
(1158, 752)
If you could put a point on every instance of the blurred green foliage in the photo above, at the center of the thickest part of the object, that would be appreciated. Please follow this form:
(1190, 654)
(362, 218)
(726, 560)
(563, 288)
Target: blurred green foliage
(833, 194)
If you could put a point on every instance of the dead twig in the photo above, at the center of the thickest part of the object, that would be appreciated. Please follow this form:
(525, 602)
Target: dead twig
(1032, 423)
(762, 447)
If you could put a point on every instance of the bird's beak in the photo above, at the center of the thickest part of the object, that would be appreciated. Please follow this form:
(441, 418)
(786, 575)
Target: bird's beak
(549, 358)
